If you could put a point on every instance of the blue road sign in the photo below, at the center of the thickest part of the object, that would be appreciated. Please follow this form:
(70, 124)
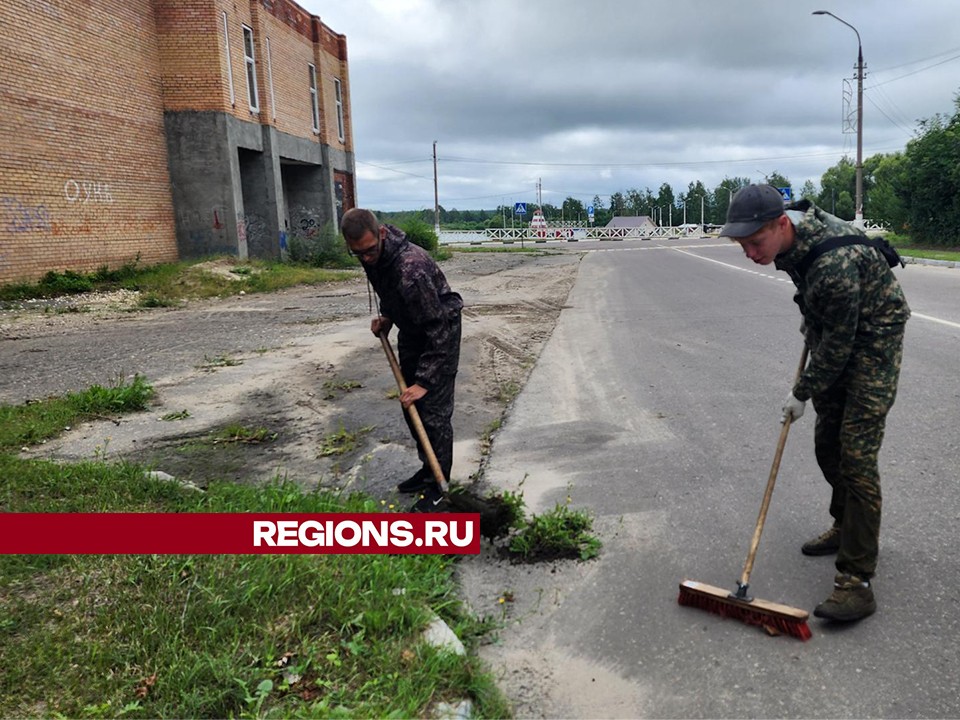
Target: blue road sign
(590, 210)
(787, 193)
(520, 208)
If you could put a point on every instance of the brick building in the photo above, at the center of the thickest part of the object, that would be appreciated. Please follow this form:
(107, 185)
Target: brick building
(165, 129)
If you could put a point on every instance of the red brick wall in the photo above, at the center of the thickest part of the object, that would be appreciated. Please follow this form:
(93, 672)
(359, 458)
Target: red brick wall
(193, 55)
(84, 180)
(83, 160)
(291, 53)
(332, 56)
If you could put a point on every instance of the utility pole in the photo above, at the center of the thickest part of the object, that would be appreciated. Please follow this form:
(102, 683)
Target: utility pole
(858, 213)
(436, 195)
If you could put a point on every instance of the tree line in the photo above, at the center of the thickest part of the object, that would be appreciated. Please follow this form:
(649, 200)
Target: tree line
(914, 192)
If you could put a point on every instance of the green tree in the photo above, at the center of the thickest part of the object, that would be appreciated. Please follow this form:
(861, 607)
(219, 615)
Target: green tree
(931, 194)
(695, 198)
(777, 180)
(808, 191)
(721, 197)
(639, 203)
(665, 201)
(618, 204)
(573, 210)
(837, 180)
(889, 176)
(601, 215)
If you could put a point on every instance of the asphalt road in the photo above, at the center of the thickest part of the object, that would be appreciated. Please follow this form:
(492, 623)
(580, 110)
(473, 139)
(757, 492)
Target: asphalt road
(656, 405)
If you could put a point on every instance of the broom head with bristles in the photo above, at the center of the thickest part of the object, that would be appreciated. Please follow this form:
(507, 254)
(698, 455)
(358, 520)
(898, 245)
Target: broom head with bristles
(773, 617)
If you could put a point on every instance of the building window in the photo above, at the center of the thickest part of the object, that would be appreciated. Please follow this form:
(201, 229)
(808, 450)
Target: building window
(314, 102)
(226, 43)
(273, 100)
(251, 64)
(339, 91)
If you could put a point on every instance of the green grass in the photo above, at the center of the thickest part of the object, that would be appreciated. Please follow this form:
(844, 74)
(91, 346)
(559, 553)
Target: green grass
(30, 423)
(219, 635)
(905, 246)
(169, 284)
(558, 533)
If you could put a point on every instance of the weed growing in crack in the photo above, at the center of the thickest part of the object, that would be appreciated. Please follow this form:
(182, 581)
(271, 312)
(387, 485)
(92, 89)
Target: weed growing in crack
(342, 441)
(241, 434)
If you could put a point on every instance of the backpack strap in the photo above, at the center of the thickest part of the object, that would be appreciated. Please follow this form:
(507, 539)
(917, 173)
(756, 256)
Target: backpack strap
(889, 252)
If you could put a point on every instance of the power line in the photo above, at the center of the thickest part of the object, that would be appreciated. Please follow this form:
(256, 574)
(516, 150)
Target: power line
(725, 161)
(399, 172)
(919, 70)
(914, 62)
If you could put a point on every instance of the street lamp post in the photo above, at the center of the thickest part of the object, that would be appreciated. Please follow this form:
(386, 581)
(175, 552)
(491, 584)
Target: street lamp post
(858, 216)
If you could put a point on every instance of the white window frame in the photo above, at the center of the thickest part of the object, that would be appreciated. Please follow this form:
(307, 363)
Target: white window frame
(338, 89)
(273, 100)
(250, 63)
(314, 96)
(226, 43)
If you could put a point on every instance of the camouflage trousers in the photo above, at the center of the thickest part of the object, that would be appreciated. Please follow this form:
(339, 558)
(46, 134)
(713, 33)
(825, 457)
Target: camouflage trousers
(435, 410)
(851, 417)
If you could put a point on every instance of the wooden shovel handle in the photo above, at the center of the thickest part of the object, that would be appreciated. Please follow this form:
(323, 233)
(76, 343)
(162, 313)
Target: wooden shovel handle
(415, 417)
(771, 481)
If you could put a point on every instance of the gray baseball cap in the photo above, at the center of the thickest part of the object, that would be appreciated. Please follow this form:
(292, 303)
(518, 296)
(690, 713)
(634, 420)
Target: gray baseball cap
(752, 208)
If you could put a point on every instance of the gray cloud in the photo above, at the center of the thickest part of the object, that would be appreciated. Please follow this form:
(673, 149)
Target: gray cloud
(609, 95)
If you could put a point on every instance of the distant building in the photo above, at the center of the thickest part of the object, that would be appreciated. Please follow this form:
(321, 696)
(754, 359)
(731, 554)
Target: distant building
(154, 130)
(632, 221)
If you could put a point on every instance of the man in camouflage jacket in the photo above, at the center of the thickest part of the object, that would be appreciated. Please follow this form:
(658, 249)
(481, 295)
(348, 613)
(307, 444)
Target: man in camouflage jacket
(854, 314)
(414, 295)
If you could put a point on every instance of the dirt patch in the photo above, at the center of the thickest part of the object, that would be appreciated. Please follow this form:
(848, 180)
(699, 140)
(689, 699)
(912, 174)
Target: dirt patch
(298, 368)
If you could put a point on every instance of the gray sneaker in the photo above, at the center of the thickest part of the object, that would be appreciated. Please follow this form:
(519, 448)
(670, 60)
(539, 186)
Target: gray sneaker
(827, 544)
(852, 599)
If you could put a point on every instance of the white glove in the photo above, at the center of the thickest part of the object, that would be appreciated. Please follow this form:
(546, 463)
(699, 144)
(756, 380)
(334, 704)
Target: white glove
(793, 408)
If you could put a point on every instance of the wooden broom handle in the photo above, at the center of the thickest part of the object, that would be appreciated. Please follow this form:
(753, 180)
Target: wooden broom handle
(415, 417)
(771, 481)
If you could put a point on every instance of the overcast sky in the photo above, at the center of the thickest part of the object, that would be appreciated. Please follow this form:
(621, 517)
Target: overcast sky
(591, 97)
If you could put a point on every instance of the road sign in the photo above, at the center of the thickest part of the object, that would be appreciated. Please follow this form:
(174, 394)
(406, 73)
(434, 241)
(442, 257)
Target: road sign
(590, 210)
(787, 193)
(520, 208)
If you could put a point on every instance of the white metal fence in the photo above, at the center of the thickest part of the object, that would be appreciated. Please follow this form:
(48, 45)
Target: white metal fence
(567, 233)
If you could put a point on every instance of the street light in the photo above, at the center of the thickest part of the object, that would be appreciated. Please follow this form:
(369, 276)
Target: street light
(858, 216)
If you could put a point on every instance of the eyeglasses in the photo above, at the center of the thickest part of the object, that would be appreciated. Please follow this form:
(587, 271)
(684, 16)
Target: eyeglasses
(369, 252)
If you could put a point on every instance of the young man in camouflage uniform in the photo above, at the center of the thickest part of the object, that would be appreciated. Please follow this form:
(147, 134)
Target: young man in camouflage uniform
(854, 314)
(414, 295)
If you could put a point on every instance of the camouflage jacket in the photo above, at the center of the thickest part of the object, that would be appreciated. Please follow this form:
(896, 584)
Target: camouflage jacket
(849, 297)
(414, 294)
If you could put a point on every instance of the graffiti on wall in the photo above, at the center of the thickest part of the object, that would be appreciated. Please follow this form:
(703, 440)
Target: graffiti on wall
(306, 222)
(20, 217)
(251, 228)
(86, 191)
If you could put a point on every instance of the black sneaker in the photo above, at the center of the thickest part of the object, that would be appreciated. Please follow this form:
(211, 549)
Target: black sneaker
(430, 500)
(420, 480)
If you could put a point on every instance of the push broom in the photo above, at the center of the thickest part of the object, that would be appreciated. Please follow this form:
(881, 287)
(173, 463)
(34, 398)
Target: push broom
(773, 617)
